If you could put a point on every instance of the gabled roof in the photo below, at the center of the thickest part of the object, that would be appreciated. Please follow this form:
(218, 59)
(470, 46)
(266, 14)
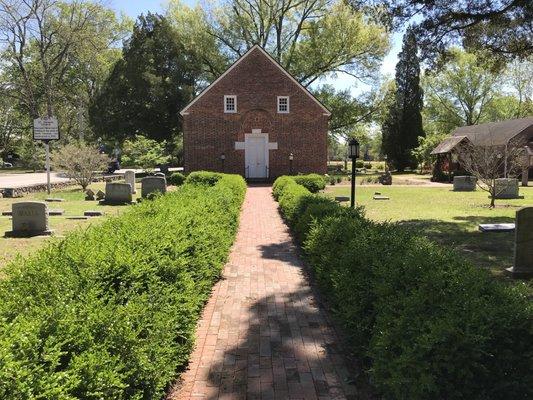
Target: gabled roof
(448, 144)
(326, 111)
(494, 133)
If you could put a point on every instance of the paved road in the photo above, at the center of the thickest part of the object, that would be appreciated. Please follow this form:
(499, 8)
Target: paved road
(39, 178)
(29, 179)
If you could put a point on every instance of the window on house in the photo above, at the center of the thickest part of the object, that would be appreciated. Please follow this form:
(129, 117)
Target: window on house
(283, 104)
(230, 104)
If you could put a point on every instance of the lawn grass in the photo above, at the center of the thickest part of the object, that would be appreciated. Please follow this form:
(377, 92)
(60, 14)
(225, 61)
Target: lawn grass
(74, 205)
(450, 218)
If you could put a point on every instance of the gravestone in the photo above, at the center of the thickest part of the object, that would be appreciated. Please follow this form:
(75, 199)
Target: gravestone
(56, 212)
(153, 184)
(129, 177)
(380, 197)
(506, 188)
(100, 195)
(93, 213)
(342, 199)
(385, 178)
(30, 218)
(505, 227)
(464, 183)
(89, 195)
(117, 193)
(523, 253)
(54, 200)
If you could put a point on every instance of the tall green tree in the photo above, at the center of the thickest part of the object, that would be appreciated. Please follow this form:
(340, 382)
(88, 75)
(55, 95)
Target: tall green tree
(146, 88)
(403, 125)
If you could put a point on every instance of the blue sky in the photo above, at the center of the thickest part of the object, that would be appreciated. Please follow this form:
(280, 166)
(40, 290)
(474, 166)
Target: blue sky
(135, 7)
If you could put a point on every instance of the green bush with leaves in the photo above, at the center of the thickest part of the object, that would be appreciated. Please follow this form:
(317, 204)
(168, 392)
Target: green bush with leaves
(145, 153)
(312, 182)
(176, 179)
(110, 312)
(203, 178)
(427, 323)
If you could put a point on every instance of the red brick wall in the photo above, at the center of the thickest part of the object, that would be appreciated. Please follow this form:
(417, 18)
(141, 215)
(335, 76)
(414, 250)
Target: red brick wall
(209, 132)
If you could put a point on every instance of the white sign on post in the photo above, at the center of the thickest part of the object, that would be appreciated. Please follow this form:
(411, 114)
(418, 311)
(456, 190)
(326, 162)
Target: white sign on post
(46, 129)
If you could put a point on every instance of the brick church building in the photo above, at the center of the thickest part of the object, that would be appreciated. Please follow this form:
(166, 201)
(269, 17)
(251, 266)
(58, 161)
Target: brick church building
(255, 120)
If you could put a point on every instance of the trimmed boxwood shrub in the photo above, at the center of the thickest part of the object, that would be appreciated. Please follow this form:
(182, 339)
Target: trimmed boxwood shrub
(110, 312)
(427, 323)
(176, 179)
(312, 182)
(203, 178)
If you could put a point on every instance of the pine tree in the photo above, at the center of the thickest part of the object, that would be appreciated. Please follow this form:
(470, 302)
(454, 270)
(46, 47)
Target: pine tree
(403, 124)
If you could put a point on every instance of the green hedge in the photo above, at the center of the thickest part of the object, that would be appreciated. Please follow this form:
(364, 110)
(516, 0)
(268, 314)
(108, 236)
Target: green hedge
(109, 312)
(203, 178)
(428, 324)
(176, 179)
(312, 182)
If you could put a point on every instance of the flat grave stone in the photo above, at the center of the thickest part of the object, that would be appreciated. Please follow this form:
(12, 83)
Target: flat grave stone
(523, 252)
(507, 227)
(54, 200)
(7, 213)
(464, 183)
(30, 218)
(78, 217)
(380, 197)
(129, 177)
(93, 213)
(153, 184)
(56, 212)
(117, 193)
(342, 199)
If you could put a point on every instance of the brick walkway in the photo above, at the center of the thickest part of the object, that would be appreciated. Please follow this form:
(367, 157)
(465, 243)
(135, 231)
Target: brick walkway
(263, 335)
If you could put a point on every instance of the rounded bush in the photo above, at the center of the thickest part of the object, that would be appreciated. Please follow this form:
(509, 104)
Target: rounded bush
(176, 179)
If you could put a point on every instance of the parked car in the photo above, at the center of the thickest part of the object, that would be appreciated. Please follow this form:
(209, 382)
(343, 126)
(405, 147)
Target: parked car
(6, 164)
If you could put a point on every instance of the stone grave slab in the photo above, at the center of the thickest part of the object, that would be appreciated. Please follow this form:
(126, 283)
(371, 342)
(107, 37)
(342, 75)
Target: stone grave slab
(7, 213)
(464, 183)
(129, 177)
(117, 193)
(510, 227)
(56, 212)
(342, 199)
(523, 252)
(78, 217)
(153, 184)
(100, 195)
(93, 213)
(380, 197)
(54, 200)
(30, 218)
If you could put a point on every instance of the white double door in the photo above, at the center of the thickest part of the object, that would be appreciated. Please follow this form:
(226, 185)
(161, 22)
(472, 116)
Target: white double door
(256, 155)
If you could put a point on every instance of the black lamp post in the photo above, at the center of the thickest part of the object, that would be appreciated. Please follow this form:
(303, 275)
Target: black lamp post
(222, 158)
(353, 153)
(291, 158)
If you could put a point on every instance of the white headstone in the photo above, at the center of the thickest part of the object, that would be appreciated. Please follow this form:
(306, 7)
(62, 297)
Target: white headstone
(152, 184)
(117, 193)
(30, 218)
(129, 177)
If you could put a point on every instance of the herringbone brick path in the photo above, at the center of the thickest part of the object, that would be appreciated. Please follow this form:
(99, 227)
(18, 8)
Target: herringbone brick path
(263, 335)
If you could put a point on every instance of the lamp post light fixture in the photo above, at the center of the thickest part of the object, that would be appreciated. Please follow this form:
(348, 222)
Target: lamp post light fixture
(353, 153)
(291, 158)
(222, 159)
